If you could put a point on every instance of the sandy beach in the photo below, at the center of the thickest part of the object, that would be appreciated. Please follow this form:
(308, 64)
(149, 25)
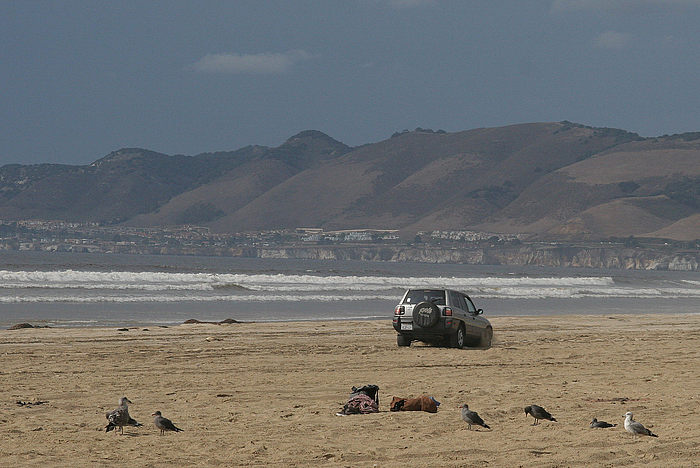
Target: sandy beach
(266, 394)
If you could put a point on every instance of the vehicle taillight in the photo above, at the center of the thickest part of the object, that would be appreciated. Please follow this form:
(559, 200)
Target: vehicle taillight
(448, 311)
(400, 310)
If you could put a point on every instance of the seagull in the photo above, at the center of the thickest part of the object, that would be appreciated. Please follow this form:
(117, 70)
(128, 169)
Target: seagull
(538, 413)
(471, 417)
(120, 417)
(636, 428)
(596, 423)
(164, 424)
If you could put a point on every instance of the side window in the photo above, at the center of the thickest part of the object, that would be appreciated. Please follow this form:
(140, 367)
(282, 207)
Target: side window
(464, 304)
(457, 300)
(470, 306)
(454, 302)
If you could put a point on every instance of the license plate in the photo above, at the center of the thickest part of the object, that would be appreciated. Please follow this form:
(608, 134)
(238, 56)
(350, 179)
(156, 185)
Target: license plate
(406, 326)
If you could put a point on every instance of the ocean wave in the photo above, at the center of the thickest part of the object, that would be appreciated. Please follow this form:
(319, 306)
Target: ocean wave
(154, 281)
(127, 286)
(577, 293)
(212, 298)
(93, 287)
(480, 293)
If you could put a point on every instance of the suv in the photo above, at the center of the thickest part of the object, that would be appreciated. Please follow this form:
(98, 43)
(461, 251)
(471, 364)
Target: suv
(439, 315)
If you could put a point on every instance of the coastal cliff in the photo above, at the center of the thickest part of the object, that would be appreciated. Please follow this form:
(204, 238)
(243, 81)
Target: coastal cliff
(556, 256)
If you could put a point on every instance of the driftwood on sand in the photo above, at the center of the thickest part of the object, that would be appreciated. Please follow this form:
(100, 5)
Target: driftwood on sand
(19, 326)
(222, 322)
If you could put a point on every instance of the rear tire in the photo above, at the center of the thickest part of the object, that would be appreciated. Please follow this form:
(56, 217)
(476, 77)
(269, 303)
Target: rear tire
(486, 338)
(457, 340)
(426, 314)
(403, 340)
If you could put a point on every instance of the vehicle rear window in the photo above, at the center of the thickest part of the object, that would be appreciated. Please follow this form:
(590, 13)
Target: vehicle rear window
(414, 296)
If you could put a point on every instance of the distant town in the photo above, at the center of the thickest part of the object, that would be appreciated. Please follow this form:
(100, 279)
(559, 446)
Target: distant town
(440, 246)
(62, 236)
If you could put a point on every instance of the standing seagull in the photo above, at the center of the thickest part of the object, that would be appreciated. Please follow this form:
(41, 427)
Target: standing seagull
(636, 428)
(471, 417)
(164, 424)
(596, 423)
(120, 417)
(538, 413)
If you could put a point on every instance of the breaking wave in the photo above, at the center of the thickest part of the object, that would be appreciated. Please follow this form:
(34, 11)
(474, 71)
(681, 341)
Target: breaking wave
(216, 298)
(153, 281)
(63, 286)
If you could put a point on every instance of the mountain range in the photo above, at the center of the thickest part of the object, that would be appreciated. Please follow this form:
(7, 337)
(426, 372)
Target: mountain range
(552, 180)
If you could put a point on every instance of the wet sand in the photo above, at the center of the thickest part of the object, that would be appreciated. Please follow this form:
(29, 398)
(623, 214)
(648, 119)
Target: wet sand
(267, 394)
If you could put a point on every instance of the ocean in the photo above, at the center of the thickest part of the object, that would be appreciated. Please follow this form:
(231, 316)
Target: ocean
(71, 289)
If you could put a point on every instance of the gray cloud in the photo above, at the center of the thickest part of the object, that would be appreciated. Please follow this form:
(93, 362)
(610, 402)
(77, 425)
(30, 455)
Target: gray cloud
(613, 40)
(580, 5)
(410, 3)
(264, 63)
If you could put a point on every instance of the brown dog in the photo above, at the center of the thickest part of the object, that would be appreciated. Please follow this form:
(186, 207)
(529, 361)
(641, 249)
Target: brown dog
(422, 403)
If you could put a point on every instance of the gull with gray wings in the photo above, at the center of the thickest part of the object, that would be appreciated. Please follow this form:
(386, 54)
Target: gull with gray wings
(164, 424)
(633, 427)
(601, 424)
(472, 417)
(119, 417)
(538, 413)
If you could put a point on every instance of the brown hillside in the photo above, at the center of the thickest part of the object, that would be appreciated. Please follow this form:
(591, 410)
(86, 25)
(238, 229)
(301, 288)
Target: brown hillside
(686, 229)
(114, 188)
(623, 217)
(416, 179)
(547, 179)
(227, 193)
(637, 172)
(212, 204)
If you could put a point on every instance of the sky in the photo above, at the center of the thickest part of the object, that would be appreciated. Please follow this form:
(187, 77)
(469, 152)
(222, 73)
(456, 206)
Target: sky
(79, 79)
